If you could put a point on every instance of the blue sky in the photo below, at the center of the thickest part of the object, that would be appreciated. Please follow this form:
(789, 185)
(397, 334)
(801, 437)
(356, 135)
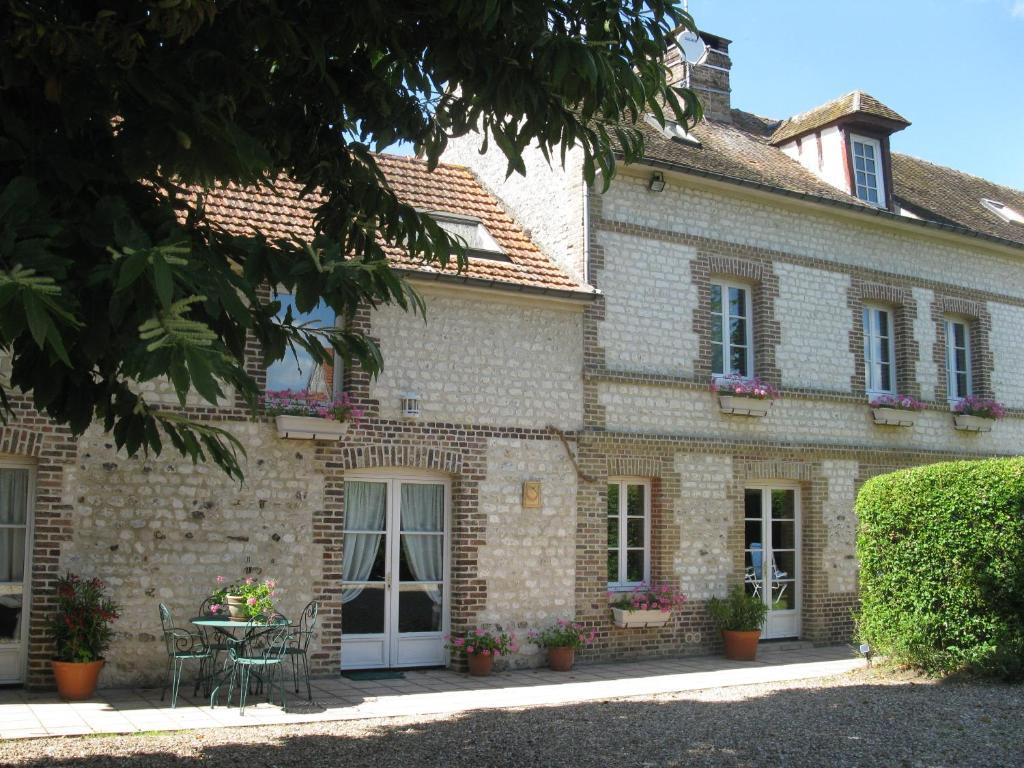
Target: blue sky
(927, 59)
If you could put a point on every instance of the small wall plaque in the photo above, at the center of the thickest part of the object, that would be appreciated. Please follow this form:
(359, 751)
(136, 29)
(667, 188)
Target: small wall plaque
(531, 494)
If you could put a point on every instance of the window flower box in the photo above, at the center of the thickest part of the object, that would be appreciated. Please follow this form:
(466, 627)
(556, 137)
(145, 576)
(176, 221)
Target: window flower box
(964, 422)
(744, 397)
(635, 618)
(977, 414)
(895, 410)
(309, 428)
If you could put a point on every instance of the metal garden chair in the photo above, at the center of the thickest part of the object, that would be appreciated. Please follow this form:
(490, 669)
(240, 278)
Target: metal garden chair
(262, 654)
(300, 645)
(217, 642)
(182, 646)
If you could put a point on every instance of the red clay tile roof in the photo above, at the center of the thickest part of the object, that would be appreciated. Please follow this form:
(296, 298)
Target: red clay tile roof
(853, 103)
(448, 189)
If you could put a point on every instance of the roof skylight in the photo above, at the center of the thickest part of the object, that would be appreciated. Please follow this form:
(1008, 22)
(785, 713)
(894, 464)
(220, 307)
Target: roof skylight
(1003, 211)
(479, 242)
(675, 131)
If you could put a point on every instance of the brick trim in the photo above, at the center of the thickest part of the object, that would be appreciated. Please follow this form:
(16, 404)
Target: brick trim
(979, 330)
(904, 309)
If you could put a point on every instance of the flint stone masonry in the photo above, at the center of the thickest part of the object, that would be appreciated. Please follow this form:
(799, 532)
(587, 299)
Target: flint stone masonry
(651, 409)
(924, 334)
(840, 524)
(1008, 369)
(162, 530)
(527, 558)
(813, 315)
(480, 361)
(649, 300)
(703, 513)
(688, 210)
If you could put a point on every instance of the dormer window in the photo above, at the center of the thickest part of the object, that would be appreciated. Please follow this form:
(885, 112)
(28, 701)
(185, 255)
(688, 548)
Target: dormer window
(479, 243)
(1003, 211)
(869, 185)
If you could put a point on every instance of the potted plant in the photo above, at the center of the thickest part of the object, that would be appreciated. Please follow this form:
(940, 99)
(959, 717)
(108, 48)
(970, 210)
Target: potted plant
(302, 415)
(744, 396)
(81, 631)
(561, 640)
(245, 599)
(977, 414)
(645, 606)
(739, 618)
(482, 646)
(895, 410)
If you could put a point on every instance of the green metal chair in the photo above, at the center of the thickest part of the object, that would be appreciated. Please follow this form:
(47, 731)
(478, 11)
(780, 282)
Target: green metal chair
(217, 642)
(182, 646)
(262, 654)
(296, 650)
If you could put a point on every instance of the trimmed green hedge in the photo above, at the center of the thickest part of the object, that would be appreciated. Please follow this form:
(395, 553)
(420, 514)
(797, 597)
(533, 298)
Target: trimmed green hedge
(941, 552)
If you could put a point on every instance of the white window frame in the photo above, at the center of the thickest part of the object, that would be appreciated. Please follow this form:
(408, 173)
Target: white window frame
(622, 583)
(951, 388)
(1003, 211)
(872, 341)
(879, 170)
(725, 285)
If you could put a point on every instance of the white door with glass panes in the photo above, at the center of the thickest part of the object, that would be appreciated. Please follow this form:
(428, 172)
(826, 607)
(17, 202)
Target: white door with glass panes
(629, 532)
(772, 556)
(15, 550)
(394, 596)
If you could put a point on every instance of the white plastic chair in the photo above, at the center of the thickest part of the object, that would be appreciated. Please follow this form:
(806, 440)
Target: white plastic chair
(752, 574)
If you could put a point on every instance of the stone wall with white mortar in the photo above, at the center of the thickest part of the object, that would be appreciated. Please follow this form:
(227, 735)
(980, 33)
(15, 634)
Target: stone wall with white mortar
(528, 558)
(649, 301)
(704, 513)
(840, 522)
(815, 321)
(547, 202)
(925, 334)
(483, 361)
(1008, 361)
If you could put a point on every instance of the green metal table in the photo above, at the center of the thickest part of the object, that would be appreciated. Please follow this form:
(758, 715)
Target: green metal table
(227, 629)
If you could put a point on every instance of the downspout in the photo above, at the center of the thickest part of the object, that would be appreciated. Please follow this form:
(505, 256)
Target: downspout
(586, 232)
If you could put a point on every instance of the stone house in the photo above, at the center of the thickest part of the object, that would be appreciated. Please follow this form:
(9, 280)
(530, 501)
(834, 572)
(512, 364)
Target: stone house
(444, 539)
(802, 252)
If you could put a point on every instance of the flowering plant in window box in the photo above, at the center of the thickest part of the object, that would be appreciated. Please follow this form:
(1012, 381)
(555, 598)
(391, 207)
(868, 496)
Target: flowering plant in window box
(562, 639)
(895, 410)
(482, 646)
(303, 415)
(645, 606)
(977, 414)
(244, 600)
(742, 396)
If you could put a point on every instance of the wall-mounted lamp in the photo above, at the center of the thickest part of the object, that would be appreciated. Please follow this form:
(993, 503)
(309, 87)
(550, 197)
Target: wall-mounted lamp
(657, 182)
(410, 405)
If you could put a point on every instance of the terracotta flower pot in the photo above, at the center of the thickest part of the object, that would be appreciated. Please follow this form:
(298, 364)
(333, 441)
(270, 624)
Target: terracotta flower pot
(76, 680)
(236, 608)
(741, 646)
(561, 659)
(480, 665)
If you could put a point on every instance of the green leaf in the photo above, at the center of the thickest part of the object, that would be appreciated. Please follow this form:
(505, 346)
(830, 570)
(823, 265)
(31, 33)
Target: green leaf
(163, 280)
(39, 322)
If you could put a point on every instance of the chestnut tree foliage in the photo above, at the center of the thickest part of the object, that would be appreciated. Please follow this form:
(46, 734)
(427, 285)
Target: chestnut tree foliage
(113, 113)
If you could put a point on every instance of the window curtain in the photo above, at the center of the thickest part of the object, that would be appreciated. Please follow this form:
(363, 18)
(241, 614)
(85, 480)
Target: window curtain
(423, 512)
(13, 511)
(364, 511)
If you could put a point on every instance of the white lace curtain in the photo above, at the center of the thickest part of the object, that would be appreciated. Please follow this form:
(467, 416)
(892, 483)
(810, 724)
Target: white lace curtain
(13, 512)
(423, 533)
(365, 505)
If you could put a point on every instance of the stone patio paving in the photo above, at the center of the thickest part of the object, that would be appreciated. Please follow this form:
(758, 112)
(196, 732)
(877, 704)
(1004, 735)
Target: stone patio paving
(117, 710)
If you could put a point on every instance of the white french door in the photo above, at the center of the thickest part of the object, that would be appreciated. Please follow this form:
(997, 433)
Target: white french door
(15, 567)
(772, 556)
(394, 595)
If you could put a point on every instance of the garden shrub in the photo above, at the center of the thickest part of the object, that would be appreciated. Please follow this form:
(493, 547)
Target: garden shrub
(941, 552)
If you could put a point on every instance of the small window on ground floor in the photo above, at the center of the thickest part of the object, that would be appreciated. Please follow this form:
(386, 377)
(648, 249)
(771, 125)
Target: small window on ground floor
(629, 532)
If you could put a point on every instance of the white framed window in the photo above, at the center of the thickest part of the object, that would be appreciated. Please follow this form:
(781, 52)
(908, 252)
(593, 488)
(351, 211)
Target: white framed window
(298, 370)
(958, 358)
(629, 532)
(732, 332)
(879, 351)
(868, 181)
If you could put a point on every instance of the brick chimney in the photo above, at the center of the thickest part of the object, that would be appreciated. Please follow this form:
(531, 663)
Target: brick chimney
(710, 80)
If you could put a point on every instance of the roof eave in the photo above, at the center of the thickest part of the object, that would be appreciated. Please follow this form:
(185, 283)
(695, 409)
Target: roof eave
(579, 296)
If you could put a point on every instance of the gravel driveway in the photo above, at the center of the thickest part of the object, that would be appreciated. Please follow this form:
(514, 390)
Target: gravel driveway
(860, 719)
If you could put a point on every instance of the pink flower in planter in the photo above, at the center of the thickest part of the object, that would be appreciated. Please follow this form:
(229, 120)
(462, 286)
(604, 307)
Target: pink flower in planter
(221, 579)
(458, 642)
(248, 579)
(470, 649)
(478, 632)
(215, 607)
(485, 652)
(250, 601)
(271, 584)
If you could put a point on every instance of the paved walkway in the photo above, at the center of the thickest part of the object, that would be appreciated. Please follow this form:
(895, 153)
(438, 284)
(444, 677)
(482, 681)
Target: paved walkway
(28, 715)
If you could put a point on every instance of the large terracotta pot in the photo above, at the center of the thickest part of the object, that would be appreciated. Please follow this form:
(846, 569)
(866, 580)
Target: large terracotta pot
(76, 680)
(741, 646)
(480, 665)
(236, 608)
(561, 659)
